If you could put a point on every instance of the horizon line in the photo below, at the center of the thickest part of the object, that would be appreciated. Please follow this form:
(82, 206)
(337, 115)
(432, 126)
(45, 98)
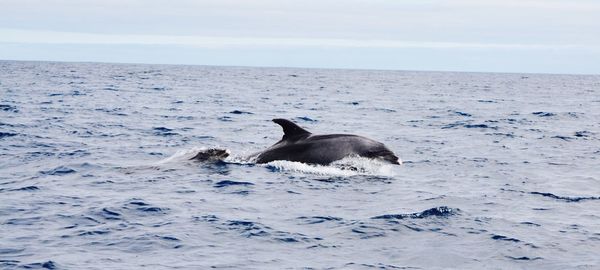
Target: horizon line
(304, 67)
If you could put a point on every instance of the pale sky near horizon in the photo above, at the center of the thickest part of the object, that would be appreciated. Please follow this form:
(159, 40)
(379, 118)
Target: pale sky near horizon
(534, 36)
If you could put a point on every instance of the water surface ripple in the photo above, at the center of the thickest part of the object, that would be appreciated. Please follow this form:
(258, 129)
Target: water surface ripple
(500, 170)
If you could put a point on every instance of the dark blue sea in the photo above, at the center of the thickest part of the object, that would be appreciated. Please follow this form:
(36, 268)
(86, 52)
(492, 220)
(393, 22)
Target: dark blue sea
(501, 171)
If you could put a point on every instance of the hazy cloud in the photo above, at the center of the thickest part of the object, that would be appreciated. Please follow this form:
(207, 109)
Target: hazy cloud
(53, 37)
(557, 28)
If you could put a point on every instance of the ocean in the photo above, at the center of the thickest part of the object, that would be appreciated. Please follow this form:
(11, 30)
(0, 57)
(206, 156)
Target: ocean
(500, 171)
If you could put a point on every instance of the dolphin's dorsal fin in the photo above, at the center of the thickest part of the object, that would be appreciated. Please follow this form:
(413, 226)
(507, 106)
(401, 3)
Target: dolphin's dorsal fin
(291, 130)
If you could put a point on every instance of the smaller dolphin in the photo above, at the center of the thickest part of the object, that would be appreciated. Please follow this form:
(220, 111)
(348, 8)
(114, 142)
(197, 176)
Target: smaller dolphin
(211, 155)
(300, 145)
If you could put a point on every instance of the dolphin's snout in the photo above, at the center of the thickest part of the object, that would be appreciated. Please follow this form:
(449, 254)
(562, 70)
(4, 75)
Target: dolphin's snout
(396, 161)
(391, 158)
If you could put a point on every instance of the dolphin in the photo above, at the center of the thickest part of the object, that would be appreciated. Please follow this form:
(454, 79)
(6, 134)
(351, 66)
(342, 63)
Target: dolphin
(300, 145)
(211, 155)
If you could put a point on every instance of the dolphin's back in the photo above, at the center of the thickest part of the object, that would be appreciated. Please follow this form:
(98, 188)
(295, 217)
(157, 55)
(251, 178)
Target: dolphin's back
(325, 149)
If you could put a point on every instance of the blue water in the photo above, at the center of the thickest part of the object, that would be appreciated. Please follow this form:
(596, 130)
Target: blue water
(500, 170)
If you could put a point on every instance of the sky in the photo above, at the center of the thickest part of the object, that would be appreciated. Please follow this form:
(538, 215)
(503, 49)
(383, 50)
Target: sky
(531, 36)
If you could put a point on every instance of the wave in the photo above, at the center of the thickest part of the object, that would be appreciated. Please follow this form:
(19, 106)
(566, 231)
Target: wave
(349, 166)
(441, 211)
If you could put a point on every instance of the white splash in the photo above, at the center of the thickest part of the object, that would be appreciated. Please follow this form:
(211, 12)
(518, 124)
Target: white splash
(349, 166)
